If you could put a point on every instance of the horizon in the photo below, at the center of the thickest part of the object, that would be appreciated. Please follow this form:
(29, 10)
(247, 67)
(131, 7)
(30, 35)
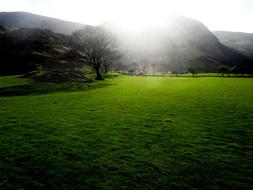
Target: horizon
(141, 14)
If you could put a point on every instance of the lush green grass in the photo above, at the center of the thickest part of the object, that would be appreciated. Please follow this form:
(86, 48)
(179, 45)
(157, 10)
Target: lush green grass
(127, 133)
(210, 75)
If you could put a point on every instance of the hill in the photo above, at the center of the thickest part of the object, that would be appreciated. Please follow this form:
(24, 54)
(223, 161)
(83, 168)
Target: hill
(2, 29)
(180, 44)
(242, 42)
(28, 20)
(26, 50)
(177, 46)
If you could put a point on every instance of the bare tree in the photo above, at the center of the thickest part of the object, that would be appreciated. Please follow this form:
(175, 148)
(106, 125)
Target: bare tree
(95, 47)
(109, 61)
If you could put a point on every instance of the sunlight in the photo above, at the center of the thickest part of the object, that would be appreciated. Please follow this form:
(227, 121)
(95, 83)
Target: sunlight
(139, 14)
(132, 14)
(143, 14)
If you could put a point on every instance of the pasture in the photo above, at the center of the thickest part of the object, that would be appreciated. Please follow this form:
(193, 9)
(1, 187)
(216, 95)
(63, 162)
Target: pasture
(127, 133)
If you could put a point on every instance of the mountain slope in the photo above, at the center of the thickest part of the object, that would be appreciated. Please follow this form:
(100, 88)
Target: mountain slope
(242, 42)
(28, 20)
(181, 43)
(42, 54)
(24, 50)
(200, 48)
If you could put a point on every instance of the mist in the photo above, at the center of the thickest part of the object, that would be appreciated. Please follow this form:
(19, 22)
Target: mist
(174, 46)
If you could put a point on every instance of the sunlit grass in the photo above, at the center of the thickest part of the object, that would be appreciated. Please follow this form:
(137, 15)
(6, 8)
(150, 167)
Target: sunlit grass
(210, 75)
(127, 133)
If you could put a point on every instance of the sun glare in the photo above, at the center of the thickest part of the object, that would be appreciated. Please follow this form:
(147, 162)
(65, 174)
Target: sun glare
(132, 14)
(138, 14)
(142, 14)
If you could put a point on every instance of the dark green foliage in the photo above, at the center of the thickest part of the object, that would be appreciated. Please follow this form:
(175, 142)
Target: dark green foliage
(223, 69)
(131, 71)
(192, 71)
(127, 133)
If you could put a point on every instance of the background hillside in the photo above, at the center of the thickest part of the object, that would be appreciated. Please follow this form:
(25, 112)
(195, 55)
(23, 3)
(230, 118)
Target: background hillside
(242, 42)
(177, 46)
(40, 52)
(28, 20)
(180, 44)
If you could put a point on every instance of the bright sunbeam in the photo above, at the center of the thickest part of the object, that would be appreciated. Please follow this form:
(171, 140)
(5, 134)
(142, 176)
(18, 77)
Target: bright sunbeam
(142, 14)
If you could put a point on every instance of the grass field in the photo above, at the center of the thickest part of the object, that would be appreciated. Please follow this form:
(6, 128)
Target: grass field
(127, 133)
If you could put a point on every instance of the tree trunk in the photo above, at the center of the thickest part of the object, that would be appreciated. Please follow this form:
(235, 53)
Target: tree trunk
(106, 68)
(99, 76)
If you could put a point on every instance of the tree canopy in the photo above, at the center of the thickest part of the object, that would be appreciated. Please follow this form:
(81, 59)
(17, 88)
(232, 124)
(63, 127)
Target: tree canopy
(96, 47)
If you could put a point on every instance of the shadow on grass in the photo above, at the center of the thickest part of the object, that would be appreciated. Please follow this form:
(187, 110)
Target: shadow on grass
(39, 88)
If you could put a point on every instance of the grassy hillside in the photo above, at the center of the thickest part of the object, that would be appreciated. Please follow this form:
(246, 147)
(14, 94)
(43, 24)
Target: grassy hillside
(29, 20)
(127, 133)
(25, 50)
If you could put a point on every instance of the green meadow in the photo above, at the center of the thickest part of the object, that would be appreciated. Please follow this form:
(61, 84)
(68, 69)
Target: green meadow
(127, 132)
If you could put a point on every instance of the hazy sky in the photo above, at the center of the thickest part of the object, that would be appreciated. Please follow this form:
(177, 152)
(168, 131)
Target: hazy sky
(232, 15)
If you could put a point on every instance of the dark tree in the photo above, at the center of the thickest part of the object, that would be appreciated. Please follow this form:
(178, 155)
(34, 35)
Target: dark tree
(130, 71)
(223, 69)
(95, 47)
(113, 57)
(234, 69)
(192, 71)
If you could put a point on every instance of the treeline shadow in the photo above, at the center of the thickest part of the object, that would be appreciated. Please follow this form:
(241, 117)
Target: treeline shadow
(40, 88)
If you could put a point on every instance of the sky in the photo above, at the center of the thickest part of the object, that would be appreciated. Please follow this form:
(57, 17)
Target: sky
(229, 15)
